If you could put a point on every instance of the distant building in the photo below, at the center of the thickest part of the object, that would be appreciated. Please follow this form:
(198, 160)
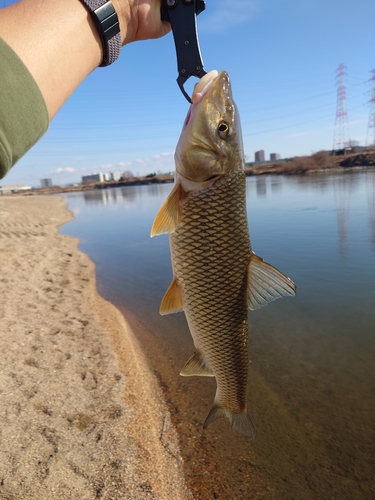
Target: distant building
(13, 188)
(274, 156)
(116, 176)
(45, 183)
(259, 156)
(86, 179)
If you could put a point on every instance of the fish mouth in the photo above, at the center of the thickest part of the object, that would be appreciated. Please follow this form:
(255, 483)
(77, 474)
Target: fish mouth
(201, 88)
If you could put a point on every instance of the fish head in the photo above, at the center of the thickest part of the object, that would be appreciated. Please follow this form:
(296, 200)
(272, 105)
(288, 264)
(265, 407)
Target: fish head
(210, 143)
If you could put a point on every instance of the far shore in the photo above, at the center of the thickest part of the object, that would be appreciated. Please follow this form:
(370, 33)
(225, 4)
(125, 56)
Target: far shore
(317, 162)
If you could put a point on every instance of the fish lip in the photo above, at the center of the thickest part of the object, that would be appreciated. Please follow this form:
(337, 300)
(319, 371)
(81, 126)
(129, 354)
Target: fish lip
(199, 97)
(201, 88)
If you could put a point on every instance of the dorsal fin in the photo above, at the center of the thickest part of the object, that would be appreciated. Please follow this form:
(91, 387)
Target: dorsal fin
(169, 214)
(172, 300)
(196, 366)
(266, 283)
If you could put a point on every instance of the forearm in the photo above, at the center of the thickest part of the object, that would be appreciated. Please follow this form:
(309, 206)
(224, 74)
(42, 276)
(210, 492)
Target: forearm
(57, 61)
(59, 44)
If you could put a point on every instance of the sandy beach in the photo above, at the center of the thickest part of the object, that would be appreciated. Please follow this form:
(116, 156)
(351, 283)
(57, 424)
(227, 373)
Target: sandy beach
(81, 415)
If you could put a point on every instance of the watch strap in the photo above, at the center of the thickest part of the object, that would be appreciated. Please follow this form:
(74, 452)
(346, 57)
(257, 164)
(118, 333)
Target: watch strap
(106, 21)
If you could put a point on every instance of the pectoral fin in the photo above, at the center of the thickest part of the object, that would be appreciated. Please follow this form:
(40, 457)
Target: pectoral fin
(169, 214)
(266, 283)
(196, 366)
(172, 300)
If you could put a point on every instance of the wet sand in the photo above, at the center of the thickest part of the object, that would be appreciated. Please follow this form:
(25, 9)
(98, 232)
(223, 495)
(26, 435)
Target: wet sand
(81, 415)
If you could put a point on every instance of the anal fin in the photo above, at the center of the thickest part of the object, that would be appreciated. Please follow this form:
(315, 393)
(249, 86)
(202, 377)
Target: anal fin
(172, 300)
(196, 366)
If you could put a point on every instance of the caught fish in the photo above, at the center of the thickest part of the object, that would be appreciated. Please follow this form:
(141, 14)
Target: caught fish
(216, 275)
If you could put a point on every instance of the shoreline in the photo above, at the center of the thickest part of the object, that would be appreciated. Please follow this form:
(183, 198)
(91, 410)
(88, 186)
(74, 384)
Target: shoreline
(321, 162)
(82, 415)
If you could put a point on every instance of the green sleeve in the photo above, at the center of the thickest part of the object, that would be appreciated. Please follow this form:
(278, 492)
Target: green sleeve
(23, 112)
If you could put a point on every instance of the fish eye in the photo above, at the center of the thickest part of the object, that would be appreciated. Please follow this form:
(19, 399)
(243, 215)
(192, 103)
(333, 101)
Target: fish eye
(223, 129)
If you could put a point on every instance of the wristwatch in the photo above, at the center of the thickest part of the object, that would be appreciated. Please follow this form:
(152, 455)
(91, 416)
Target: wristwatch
(107, 24)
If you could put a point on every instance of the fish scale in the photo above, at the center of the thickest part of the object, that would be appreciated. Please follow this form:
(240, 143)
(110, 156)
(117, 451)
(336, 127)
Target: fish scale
(217, 277)
(204, 258)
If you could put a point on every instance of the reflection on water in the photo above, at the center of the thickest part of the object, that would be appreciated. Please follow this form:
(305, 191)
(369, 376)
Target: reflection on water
(120, 195)
(312, 377)
(371, 205)
(261, 185)
(342, 189)
(108, 196)
(342, 186)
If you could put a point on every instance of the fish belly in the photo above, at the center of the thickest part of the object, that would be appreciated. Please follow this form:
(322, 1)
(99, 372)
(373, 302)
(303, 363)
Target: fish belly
(210, 253)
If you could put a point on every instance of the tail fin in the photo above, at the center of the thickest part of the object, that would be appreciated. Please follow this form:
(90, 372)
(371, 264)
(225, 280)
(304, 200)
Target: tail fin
(240, 422)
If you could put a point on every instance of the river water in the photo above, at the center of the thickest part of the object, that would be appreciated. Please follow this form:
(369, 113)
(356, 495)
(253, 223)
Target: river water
(312, 371)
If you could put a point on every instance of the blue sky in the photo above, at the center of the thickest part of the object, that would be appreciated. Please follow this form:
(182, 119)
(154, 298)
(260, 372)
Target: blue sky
(281, 55)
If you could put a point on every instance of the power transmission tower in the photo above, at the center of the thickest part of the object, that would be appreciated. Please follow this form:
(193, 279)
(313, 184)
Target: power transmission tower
(370, 137)
(341, 133)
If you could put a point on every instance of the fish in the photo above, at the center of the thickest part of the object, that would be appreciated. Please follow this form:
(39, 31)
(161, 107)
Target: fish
(216, 275)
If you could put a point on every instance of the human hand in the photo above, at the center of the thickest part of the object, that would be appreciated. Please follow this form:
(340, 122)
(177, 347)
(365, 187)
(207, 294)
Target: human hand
(140, 20)
(60, 59)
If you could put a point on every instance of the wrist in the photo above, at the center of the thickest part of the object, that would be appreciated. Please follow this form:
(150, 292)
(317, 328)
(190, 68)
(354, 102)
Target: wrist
(126, 12)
